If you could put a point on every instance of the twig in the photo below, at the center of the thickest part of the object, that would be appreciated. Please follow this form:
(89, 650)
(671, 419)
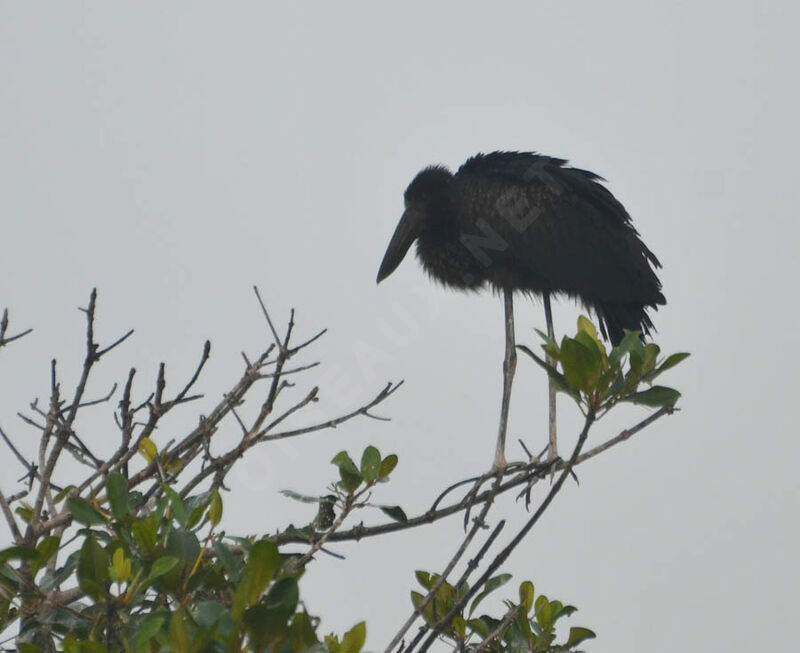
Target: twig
(627, 433)
(4, 327)
(333, 423)
(28, 466)
(12, 523)
(309, 398)
(95, 402)
(266, 315)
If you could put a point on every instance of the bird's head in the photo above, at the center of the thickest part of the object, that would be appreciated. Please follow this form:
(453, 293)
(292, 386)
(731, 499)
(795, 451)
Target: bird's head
(424, 198)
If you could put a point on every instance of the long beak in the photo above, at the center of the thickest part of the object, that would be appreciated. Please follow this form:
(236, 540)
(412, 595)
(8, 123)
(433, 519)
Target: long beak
(404, 236)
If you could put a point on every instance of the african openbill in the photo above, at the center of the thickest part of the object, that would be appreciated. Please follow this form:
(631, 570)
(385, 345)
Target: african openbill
(527, 222)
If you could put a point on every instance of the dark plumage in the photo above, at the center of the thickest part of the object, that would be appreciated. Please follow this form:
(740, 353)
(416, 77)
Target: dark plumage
(527, 222)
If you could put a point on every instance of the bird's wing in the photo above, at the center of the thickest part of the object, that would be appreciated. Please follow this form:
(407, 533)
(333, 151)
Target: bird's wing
(557, 228)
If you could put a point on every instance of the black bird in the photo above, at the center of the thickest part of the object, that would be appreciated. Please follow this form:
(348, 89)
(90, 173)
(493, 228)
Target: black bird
(527, 222)
(523, 221)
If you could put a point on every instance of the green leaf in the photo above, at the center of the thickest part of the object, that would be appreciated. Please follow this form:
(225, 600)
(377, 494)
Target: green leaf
(651, 351)
(27, 647)
(178, 635)
(120, 565)
(349, 473)
(178, 507)
(350, 482)
(592, 345)
(560, 379)
(343, 461)
(370, 464)
(526, 595)
(145, 532)
(544, 614)
(284, 596)
(491, 585)
(148, 449)
(416, 601)
(581, 364)
(396, 513)
(25, 511)
(460, 627)
(302, 632)
(424, 579)
(215, 509)
(72, 644)
(578, 635)
(565, 611)
(46, 550)
(657, 396)
(480, 627)
(670, 362)
(262, 564)
(149, 628)
(353, 640)
(630, 342)
(93, 563)
(550, 345)
(161, 566)
(184, 545)
(585, 325)
(208, 613)
(64, 493)
(387, 465)
(18, 553)
(231, 563)
(118, 495)
(84, 512)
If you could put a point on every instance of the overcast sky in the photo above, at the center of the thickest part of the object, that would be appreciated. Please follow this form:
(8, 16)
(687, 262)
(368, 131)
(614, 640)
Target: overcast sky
(175, 154)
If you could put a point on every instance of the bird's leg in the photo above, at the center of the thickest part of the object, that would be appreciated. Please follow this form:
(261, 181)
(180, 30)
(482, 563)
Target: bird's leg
(509, 367)
(553, 447)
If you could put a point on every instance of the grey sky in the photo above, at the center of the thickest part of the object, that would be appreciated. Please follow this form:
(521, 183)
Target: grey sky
(175, 154)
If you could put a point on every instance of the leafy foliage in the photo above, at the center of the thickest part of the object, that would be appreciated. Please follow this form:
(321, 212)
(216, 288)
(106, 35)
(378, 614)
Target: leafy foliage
(159, 578)
(598, 379)
(529, 623)
(138, 564)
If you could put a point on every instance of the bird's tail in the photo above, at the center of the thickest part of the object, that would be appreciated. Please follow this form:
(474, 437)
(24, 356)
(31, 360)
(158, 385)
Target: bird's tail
(615, 318)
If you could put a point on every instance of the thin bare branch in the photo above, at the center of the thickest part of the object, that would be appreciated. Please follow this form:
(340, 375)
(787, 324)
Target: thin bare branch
(95, 402)
(266, 315)
(309, 398)
(28, 466)
(4, 328)
(627, 433)
(333, 423)
(116, 343)
(295, 370)
(12, 523)
(311, 340)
